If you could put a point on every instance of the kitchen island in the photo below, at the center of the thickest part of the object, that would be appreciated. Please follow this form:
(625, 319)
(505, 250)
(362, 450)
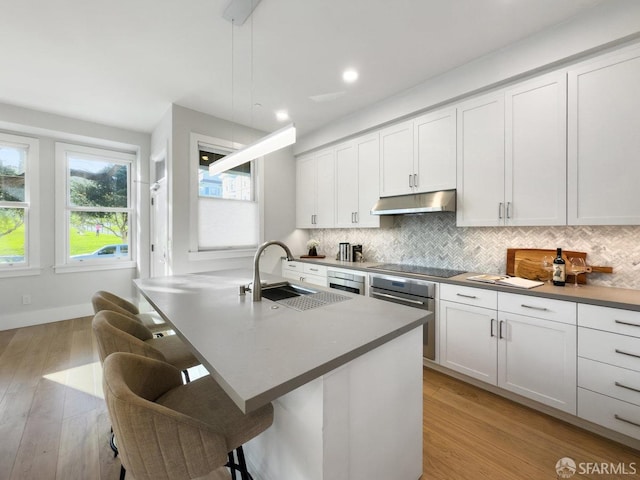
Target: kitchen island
(345, 378)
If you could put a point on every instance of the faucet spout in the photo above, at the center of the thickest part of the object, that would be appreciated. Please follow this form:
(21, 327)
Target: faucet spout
(257, 286)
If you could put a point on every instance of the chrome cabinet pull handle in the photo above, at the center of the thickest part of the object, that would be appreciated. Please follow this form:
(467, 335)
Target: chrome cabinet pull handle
(508, 209)
(618, 384)
(466, 296)
(410, 177)
(415, 180)
(500, 329)
(491, 327)
(627, 323)
(500, 210)
(627, 353)
(533, 307)
(357, 217)
(618, 417)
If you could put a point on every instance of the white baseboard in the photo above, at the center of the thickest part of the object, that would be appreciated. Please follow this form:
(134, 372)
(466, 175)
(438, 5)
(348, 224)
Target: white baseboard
(48, 315)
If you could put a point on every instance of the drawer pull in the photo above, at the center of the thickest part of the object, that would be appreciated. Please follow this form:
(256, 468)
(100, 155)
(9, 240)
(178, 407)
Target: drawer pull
(466, 296)
(544, 309)
(627, 353)
(618, 384)
(618, 417)
(313, 269)
(627, 323)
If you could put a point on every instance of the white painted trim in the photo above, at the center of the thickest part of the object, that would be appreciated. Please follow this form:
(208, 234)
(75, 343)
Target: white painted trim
(49, 315)
(16, 271)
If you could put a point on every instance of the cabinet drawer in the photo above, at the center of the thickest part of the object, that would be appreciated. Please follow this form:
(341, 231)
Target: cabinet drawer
(469, 296)
(546, 308)
(609, 380)
(609, 348)
(626, 322)
(609, 412)
(292, 266)
(312, 269)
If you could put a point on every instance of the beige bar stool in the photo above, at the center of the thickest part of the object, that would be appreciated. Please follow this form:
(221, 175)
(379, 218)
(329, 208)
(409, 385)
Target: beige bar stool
(116, 332)
(168, 430)
(103, 300)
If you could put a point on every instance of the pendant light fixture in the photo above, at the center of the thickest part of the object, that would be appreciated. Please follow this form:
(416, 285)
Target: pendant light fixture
(237, 12)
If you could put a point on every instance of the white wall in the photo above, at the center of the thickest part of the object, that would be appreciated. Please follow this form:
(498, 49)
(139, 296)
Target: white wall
(604, 26)
(58, 296)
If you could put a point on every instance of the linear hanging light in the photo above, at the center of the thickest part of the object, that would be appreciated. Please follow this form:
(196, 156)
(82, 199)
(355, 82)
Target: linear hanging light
(274, 141)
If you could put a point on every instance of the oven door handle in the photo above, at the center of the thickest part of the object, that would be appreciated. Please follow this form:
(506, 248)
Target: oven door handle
(386, 295)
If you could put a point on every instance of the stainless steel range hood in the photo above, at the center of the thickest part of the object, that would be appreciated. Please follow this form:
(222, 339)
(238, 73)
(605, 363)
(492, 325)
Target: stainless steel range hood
(444, 201)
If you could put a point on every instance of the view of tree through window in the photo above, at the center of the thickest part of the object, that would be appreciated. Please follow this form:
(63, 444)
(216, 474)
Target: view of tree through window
(98, 204)
(12, 204)
(234, 184)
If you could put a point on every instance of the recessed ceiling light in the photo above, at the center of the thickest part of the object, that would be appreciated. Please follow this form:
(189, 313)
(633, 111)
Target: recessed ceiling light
(282, 115)
(350, 75)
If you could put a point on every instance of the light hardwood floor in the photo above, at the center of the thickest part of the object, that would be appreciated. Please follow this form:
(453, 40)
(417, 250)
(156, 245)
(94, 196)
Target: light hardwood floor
(54, 424)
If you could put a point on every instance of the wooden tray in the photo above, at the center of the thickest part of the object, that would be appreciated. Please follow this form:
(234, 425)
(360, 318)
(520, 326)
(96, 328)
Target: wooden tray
(527, 263)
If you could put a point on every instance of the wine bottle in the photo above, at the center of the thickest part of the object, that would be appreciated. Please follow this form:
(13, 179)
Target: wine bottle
(559, 269)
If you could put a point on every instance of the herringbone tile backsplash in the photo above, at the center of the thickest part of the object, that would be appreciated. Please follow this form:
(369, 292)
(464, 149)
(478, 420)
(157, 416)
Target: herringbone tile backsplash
(434, 240)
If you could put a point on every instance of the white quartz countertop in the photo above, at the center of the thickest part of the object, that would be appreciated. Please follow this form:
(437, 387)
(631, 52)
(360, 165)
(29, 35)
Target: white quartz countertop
(261, 351)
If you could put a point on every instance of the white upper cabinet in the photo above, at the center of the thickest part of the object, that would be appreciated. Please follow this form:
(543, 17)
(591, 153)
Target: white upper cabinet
(604, 141)
(419, 155)
(512, 155)
(315, 190)
(396, 160)
(480, 179)
(434, 138)
(535, 152)
(357, 182)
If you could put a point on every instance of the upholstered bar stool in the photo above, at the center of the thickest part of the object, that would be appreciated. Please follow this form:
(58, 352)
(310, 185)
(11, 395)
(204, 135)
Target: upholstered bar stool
(103, 300)
(116, 332)
(168, 430)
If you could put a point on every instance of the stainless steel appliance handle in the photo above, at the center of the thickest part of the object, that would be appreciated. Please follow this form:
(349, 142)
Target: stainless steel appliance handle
(544, 309)
(394, 297)
(466, 296)
(627, 323)
(627, 353)
(618, 417)
(618, 384)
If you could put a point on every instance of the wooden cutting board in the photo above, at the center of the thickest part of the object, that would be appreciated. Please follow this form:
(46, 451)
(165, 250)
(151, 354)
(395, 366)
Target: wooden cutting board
(527, 263)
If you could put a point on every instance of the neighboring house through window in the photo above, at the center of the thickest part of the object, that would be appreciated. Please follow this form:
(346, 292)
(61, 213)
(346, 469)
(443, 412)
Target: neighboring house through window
(19, 249)
(94, 206)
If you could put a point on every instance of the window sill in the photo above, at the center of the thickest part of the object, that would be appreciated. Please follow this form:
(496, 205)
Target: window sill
(222, 254)
(90, 267)
(8, 272)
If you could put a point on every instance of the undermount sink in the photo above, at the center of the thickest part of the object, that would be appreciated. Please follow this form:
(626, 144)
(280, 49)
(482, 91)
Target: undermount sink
(300, 298)
(284, 290)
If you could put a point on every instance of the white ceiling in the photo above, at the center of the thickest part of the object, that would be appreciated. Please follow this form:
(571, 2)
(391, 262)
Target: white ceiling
(123, 62)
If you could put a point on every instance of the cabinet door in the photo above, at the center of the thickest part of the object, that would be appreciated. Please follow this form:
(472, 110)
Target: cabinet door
(305, 192)
(480, 179)
(396, 159)
(346, 185)
(468, 341)
(368, 153)
(536, 154)
(603, 141)
(538, 359)
(325, 190)
(435, 151)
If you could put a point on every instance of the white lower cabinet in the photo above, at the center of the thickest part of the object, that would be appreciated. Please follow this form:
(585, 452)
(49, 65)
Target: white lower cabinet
(609, 368)
(528, 355)
(305, 272)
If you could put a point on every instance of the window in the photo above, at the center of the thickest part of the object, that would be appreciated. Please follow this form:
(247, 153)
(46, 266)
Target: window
(18, 203)
(225, 206)
(94, 206)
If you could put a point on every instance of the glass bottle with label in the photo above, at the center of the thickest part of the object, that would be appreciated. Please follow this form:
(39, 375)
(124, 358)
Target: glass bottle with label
(559, 269)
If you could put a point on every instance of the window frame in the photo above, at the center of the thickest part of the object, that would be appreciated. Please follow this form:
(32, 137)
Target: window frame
(31, 206)
(63, 263)
(197, 140)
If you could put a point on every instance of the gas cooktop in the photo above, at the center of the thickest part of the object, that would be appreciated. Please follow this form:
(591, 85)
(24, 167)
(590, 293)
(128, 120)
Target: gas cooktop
(418, 270)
